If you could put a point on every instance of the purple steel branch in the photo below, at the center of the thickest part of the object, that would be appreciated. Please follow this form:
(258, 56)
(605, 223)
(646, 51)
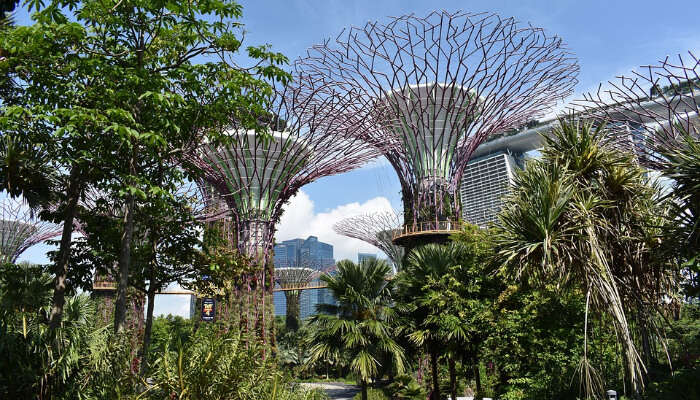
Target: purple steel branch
(375, 229)
(432, 89)
(650, 107)
(21, 229)
(256, 177)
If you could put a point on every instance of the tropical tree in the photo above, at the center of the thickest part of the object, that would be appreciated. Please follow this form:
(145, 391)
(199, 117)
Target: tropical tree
(468, 297)
(360, 325)
(587, 215)
(423, 301)
(681, 165)
(166, 249)
(113, 89)
(39, 362)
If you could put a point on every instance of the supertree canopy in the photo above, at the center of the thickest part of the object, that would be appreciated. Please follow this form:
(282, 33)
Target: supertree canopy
(651, 107)
(20, 229)
(435, 88)
(255, 175)
(376, 229)
(293, 280)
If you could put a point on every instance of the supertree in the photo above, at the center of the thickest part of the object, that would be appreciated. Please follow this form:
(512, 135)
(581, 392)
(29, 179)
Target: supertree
(435, 88)
(376, 229)
(293, 280)
(256, 174)
(651, 108)
(20, 229)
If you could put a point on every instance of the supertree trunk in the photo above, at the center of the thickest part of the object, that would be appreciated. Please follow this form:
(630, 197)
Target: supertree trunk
(293, 311)
(292, 280)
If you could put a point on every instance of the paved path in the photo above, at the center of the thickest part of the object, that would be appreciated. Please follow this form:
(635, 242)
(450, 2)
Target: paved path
(335, 390)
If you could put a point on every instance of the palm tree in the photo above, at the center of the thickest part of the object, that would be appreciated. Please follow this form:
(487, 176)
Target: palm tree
(681, 164)
(50, 358)
(419, 290)
(586, 215)
(360, 325)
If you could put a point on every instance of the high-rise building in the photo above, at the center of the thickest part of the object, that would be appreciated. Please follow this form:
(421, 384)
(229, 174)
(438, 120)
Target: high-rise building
(365, 256)
(308, 253)
(488, 176)
(484, 183)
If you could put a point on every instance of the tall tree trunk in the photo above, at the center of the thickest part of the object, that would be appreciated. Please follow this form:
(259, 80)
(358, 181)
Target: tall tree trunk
(363, 384)
(198, 313)
(61, 267)
(124, 265)
(646, 342)
(436, 378)
(477, 378)
(453, 377)
(151, 295)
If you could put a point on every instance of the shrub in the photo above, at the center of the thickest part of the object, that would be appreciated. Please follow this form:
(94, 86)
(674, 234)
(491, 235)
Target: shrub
(404, 387)
(373, 394)
(219, 365)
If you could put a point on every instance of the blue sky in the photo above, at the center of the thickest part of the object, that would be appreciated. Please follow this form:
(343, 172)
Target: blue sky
(608, 37)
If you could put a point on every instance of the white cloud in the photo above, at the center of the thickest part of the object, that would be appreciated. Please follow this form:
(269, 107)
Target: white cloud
(300, 221)
(172, 304)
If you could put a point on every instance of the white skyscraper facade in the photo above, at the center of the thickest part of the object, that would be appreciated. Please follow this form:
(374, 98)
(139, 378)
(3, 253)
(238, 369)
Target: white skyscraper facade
(484, 183)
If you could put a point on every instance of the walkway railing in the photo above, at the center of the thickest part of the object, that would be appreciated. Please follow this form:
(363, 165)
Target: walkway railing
(104, 285)
(431, 227)
(109, 285)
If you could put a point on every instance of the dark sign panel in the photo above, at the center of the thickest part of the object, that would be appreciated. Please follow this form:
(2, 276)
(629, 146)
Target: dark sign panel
(208, 309)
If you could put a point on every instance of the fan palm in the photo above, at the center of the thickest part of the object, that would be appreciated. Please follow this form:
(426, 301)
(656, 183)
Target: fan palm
(49, 359)
(586, 215)
(360, 325)
(420, 292)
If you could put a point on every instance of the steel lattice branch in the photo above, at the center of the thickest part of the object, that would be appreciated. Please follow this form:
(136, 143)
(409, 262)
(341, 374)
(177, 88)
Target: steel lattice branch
(430, 90)
(649, 109)
(375, 229)
(20, 229)
(255, 177)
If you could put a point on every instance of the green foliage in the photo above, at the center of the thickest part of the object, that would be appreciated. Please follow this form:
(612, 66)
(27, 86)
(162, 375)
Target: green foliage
(683, 385)
(684, 352)
(360, 326)
(536, 342)
(586, 217)
(169, 331)
(373, 394)
(38, 361)
(294, 352)
(405, 387)
(24, 170)
(445, 293)
(81, 360)
(215, 365)
(682, 166)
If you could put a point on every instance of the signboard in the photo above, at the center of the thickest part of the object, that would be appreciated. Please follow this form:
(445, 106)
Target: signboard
(208, 309)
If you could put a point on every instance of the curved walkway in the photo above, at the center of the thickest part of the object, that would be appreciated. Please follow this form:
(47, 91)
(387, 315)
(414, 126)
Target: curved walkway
(334, 390)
